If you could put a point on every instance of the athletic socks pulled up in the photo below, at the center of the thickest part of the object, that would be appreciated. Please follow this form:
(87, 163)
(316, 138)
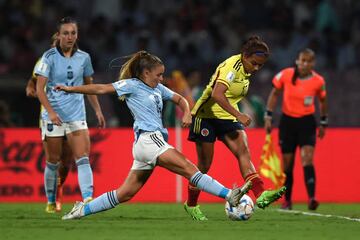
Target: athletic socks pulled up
(85, 177)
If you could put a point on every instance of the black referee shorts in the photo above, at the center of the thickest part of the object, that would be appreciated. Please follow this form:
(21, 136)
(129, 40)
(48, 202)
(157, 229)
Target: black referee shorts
(208, 129)
(295, 132)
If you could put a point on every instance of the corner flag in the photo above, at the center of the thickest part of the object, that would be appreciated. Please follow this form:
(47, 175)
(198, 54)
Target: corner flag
(270, 165)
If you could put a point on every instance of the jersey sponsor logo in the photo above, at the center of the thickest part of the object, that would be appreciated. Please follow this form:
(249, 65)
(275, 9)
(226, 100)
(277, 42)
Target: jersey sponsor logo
(230, 76)
(41, 67)
(205, 132)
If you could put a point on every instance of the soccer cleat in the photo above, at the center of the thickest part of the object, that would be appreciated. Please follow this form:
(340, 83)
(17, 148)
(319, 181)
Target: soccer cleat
(59, 195)
(50, 208)
(237, 193)
(76, 212)
(313, 204)
(195, 212)
(269, 196)
(286, 205)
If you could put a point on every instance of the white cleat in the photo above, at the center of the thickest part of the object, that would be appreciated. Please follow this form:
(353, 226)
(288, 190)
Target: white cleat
(76, 212)
(237, 194)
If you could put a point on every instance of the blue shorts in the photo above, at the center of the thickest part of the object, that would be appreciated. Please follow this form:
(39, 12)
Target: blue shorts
(208, 129)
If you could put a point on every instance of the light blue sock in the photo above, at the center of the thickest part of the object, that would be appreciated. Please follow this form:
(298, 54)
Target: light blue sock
(102, 203)
(85, 177)
(209, 185)
(50, 180)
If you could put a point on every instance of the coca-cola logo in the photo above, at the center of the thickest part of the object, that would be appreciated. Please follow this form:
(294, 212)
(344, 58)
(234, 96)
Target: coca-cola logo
(18, 156)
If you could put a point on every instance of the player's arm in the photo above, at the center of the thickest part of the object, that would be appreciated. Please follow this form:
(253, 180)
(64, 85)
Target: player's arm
(40, 86)
(31, 87)
(218, 94)
(94, 102)
(184, 105)
(323, 104)
(270, 106)
(91, 89)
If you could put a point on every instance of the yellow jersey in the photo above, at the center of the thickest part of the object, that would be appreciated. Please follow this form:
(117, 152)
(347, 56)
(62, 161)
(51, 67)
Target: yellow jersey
(231, 73)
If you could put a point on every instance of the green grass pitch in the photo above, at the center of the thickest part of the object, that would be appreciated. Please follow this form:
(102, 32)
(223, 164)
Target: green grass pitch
(169, 221)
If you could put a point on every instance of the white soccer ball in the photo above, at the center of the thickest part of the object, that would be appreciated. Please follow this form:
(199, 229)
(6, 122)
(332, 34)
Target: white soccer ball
(242, 212)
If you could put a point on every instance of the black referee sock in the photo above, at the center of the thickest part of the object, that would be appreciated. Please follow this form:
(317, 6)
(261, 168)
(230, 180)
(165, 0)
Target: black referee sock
(309, 177)
(288, 184)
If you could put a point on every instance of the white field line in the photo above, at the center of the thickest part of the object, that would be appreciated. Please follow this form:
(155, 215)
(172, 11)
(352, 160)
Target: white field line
(318, 215)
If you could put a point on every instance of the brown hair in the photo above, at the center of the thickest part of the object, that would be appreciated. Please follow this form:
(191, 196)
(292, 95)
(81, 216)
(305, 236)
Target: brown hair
(255, 45)
(136, 64)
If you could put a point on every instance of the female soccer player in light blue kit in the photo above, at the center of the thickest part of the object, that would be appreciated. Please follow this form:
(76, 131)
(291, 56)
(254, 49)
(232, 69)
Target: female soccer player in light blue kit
(140, 86)
(65, 113)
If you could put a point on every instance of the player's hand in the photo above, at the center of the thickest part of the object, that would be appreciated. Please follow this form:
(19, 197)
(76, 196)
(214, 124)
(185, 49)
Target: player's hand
(321, 132)
(186, 120)
(55, 119)
(30, 92)
(101, 120)
(62, 88)
(244, 119)
(268, 124)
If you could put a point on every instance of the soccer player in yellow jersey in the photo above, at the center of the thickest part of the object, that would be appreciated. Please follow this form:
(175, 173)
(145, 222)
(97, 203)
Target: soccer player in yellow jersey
(67, 156)
(216, 116)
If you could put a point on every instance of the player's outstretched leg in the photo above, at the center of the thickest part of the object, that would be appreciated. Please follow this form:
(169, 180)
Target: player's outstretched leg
(76, 212)
(207, 184)
(237, 193)
(269, 196)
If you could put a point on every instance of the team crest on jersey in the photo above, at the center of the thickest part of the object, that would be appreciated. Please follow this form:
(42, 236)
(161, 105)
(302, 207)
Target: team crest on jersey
(50, 127)
(70, 74)
(205, 132)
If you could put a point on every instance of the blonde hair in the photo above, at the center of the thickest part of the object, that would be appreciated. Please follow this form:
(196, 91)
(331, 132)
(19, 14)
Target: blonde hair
(137, 63)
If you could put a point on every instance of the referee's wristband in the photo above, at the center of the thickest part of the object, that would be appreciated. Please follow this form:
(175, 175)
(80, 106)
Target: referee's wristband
(324, 121)
(268, 114)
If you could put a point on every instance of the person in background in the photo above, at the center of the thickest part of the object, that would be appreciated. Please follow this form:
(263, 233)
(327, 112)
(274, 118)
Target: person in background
(66, 156)
(64, 114)
(140, 86)
(299, 86)
(216, 116)
(5, 119)
(177, 83)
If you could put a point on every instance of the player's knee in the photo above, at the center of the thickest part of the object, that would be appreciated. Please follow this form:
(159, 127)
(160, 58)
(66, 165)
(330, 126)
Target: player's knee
(54, 158)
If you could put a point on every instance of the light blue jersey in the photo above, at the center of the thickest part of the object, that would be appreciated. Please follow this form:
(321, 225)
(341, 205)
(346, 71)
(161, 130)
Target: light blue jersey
(145, 104)
(70, 71)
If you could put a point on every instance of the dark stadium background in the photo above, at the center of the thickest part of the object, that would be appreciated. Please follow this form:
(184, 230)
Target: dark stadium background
(190, 36)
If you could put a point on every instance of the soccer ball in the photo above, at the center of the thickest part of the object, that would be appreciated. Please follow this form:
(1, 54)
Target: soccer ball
(242, 212)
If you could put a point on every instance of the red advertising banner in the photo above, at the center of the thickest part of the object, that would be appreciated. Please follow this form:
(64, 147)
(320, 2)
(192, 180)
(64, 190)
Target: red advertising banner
(22, 164)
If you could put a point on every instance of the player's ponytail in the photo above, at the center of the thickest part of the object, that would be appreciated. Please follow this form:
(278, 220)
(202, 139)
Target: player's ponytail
(136, 64)
(295, 75)
(255, 45)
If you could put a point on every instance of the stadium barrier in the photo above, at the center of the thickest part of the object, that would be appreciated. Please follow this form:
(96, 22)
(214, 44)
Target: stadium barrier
(337, 162)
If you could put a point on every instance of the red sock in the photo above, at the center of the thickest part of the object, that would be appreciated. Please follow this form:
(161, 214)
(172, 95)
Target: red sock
(257, 183)
(193, 195)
